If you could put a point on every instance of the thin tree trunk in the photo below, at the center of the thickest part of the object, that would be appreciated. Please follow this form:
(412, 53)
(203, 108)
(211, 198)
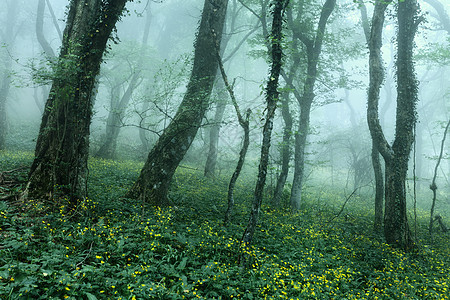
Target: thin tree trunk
(60, 165)
(379, 188)
(115, 119)
(244, 123)
(272, 95)
(118, 107)
(153, 183)
(313, 51)
(299, 155)
(377, 28)
(211, 160)
(40, 30)
(433, 185)
(285, 150)
(5, 83)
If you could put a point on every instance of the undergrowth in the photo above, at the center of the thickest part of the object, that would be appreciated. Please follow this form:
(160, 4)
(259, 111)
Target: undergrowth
(114, 248)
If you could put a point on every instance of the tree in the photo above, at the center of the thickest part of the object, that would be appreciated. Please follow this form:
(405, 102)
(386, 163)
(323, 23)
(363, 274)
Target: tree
(60, 165)
(214, 131)
(396, 228)
(374, 41)
(7, 35)
(313, 48)
(119, 103)
(153, 183)
(272, 94)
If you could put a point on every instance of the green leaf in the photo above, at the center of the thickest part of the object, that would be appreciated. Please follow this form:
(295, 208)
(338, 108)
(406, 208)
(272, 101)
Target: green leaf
(90, 296)
(182, 264)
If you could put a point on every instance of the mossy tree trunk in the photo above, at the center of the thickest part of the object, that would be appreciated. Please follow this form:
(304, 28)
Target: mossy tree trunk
(152, 184)
(272, 94)
(60, 165)
(396, 228)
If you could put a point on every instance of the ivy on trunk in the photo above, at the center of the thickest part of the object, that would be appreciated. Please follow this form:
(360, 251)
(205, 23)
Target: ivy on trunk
(60, 165)
(153, 183)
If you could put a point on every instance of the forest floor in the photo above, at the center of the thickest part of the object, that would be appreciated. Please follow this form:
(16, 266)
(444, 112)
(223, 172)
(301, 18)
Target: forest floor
(113, 248)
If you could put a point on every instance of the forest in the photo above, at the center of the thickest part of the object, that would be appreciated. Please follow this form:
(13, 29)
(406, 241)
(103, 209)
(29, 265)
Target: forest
(220, 149)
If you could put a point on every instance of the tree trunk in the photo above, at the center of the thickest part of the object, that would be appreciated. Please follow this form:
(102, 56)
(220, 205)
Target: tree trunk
(272, 95)
(313, 50)
(285, 150)
(396, 228)
(115, 119)
(211, 160)
(118, 107)
(433, 185)
(153, 183)
(5, 83)
(377, 28)
(379, 188)
(60, 165)
(244, 123)
(299, 155)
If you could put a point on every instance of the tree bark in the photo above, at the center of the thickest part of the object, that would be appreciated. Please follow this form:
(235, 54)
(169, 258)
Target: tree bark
(272, 94)
(285, 150)
(377, 28)
(396, 228)
(313, 51)
(153, 182)
(244, 123)
(60, 165)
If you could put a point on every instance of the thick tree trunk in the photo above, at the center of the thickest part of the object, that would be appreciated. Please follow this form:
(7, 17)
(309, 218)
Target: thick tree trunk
(396, 228)
(272, 95)
(60, 165)
(153, 183)
(285, 150)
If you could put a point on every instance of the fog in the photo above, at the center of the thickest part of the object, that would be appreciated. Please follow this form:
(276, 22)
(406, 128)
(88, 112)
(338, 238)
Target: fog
(339, 135)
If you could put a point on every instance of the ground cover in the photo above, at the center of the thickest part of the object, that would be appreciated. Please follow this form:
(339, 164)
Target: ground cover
(114, 248)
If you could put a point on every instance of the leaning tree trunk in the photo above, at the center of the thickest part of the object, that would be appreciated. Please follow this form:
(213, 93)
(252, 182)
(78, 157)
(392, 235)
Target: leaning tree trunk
(60, 165)
(153, 183)
(272, 95)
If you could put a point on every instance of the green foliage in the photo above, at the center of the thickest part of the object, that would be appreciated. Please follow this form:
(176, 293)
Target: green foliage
(112, 248)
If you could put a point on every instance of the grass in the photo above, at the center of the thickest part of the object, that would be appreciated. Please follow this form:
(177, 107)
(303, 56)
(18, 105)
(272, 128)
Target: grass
(118, 249)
